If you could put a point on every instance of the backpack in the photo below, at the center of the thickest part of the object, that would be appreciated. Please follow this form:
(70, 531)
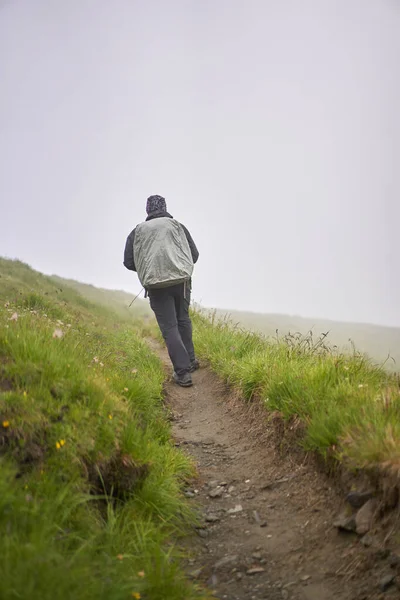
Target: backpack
(162, 253)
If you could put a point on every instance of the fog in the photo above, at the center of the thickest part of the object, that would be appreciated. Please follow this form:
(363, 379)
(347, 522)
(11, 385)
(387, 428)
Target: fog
(272, 128)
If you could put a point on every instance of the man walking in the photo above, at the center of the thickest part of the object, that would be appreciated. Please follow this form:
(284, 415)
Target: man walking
(163, 254)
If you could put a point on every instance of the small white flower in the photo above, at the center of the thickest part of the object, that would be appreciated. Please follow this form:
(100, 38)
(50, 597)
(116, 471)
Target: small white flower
(58, 333)
(14, 317)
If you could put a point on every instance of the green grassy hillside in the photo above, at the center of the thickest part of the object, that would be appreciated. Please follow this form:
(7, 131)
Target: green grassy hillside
(117, 300)
(90, 482)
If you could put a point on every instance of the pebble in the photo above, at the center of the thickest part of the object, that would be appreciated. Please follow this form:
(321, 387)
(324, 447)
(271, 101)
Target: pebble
(196, 573)
(386, 582)
(257, 555)
(212, 518)
(232, 511)
(225, 561)
(216, 492)
(202, 533)
(367, 540)
(255, 570)
(394, 560)
(358, 499)
(345, 523)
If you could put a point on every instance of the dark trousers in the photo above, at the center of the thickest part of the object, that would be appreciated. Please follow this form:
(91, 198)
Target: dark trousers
(171, 308)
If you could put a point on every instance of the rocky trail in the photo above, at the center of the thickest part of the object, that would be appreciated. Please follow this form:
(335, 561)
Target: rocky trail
(267, 517)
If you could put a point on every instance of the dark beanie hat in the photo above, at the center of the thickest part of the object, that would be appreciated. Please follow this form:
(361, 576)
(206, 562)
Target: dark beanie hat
(156, 204)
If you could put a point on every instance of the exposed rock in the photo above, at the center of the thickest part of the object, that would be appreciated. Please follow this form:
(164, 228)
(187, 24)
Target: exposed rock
(256, 555)
(386, 582)
(345, 523)
(364, 517)
(358, 499)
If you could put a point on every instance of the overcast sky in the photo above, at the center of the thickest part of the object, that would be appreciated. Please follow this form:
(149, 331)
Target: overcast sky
(272, 128)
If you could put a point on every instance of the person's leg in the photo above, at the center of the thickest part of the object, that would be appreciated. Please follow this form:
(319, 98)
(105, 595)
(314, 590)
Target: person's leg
(182, 303)
(163, 304)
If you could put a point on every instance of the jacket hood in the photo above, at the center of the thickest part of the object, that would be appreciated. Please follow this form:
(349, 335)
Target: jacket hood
(158, 215)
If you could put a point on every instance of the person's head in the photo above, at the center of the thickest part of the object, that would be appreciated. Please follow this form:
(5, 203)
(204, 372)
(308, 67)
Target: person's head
(156, 204)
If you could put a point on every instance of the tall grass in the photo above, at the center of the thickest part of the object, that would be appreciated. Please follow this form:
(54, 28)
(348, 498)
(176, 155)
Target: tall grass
(90, 482)
(350, 407)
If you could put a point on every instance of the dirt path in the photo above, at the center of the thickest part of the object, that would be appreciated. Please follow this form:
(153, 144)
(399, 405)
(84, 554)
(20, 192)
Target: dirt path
(267, 530)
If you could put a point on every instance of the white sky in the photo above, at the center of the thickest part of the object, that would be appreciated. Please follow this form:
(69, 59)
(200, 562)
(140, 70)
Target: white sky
(272, 127)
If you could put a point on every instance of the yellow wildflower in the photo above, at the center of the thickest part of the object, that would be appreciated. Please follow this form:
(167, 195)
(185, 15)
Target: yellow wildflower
(24, 394)
(126, 390)
(58, 445)
(110, 417)
(136, 595)
(141, 573)
(6, 423)
(62, 442)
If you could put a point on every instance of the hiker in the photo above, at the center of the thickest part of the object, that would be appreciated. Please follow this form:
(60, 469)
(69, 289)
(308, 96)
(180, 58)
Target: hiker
(163, 253)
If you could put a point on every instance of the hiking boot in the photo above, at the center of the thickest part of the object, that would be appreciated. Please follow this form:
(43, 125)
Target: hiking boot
(184, 380)
(194, 365)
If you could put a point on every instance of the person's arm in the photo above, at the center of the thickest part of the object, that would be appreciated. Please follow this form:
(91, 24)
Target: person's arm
(129, 259)
(192, 245)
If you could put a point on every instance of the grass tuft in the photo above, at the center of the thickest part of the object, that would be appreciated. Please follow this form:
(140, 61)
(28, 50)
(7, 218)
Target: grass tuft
(349, 406)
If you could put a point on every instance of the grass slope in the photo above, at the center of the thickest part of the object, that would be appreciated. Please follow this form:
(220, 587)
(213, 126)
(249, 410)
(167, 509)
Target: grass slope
(116, 300)
(90, 482)
(349, 408)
